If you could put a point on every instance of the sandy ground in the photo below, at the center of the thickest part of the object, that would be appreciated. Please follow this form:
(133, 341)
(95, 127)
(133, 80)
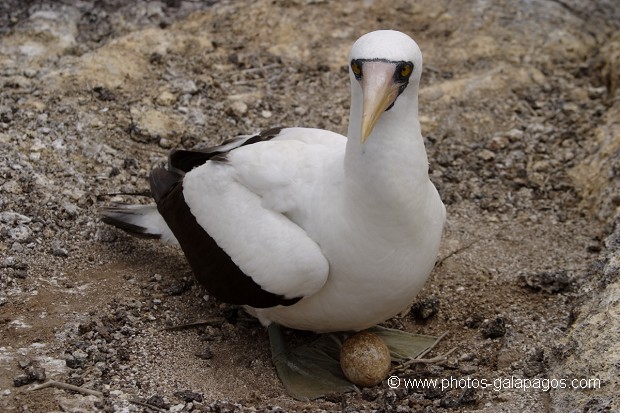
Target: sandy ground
(520, 112)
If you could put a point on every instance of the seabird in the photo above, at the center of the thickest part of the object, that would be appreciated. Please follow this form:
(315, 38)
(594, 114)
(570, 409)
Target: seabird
(304, 227)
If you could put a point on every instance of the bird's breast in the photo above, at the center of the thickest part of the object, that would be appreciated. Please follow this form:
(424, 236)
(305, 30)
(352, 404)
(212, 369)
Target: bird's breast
(376, 266)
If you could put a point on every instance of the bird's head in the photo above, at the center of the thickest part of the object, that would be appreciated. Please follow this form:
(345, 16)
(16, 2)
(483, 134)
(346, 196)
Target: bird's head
(383, 66)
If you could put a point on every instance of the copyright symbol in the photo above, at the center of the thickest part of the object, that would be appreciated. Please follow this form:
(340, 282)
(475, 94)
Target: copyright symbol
(393, 382)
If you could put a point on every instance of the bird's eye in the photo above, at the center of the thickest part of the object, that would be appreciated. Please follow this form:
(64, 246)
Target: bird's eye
(405, 70)
(356, 67)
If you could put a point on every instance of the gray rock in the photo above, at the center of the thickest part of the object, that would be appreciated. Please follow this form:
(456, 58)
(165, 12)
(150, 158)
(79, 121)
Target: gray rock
(20, 233)
(494, 328)
(238, 108)
(78, 404)
(21, 380)
(58, 250)
(13, 218)
(591, 349)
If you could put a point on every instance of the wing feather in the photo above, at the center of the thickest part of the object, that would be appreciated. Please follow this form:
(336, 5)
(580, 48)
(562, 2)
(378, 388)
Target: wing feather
(235, 210)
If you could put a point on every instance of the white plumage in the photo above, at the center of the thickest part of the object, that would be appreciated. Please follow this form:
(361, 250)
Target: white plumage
(350, 225)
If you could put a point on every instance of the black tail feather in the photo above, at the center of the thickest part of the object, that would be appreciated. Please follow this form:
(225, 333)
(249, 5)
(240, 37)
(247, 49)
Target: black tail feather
(117, 216)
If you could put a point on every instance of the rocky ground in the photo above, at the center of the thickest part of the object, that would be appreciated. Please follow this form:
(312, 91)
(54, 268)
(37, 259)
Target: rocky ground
(521, 112)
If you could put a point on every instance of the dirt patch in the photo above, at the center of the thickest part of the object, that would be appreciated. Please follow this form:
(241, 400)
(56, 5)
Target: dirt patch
(519, 107)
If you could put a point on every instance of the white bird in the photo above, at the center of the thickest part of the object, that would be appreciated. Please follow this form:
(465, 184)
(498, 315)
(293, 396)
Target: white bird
(304, 227)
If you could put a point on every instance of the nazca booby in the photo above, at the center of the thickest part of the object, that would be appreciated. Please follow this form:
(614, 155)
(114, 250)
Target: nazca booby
(304, 227)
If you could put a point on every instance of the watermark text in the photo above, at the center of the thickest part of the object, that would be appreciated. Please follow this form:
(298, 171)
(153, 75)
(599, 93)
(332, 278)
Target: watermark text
(497, 384)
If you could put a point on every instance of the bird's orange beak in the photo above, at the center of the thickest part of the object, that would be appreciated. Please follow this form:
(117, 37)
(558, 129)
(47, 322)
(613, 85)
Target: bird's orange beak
(380, 91)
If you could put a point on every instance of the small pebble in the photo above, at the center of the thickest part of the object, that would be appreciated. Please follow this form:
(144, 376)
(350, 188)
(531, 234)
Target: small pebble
(36, 372)
(166, 98)
(494, 329)
(449, 402)
(474, 321)
(32, 372)
(189, 396)
(468, 396)
(158, 401)
(425, 308)
(498, 142)
(186, 86)
(514, 134)
(486, 155)
(205, 354)
(165, 143)
(178, 287)
(20, 233)
(8, 217)
(177, 408)
(468, 369)
(21, 380)
(58, 250)
(238, 108)
(17, 247)
(76, 380)
(467, 357)
(370, 394)
(76, 360)
(550, 282)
